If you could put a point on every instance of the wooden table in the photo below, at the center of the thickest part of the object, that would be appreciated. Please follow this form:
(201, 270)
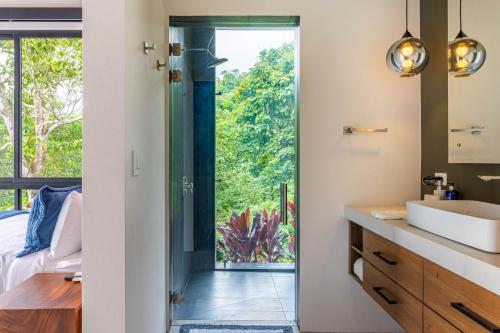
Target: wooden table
(44, 303)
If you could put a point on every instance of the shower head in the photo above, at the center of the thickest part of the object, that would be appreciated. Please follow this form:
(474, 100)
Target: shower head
(216, 62)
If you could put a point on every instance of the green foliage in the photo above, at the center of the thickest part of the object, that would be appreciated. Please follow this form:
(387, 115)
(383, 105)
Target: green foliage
(255, 119)
(52, 76)
(6, 104)
(6, 199)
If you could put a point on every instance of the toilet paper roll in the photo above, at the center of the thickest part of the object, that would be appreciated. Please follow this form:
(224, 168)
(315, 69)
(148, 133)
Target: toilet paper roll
(358, 268)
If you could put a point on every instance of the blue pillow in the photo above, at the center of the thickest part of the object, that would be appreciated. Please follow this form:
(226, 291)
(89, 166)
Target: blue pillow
(43, 217)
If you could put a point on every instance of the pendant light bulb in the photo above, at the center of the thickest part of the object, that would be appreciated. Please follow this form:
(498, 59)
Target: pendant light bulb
(465, 55)
(407, 56)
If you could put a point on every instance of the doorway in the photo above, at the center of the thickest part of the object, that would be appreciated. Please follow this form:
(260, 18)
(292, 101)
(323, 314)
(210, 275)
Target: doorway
(233, 175)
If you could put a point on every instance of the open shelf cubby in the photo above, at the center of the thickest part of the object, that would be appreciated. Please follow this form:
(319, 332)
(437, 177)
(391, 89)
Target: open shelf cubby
(355, 247)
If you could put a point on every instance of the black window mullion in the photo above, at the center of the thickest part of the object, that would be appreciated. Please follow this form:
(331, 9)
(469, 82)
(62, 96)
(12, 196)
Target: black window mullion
(17, 118)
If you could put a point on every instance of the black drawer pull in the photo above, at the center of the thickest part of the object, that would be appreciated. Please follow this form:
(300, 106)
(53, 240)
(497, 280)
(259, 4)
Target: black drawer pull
(476, 318)
(379, 255)
(389, 300)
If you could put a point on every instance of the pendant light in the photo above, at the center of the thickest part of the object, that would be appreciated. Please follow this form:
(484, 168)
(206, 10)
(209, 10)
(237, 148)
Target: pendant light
(465, 55)
(407, 56)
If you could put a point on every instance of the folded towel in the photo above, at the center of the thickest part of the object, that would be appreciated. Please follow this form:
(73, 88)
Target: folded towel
(70, 263)
(358, 268)
(389, 214)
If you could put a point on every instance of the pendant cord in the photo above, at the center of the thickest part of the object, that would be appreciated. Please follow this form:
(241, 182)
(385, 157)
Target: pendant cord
(407, 15)
(460, 15)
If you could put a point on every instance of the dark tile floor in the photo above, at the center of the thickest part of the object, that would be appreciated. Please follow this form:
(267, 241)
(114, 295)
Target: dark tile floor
(230, 295)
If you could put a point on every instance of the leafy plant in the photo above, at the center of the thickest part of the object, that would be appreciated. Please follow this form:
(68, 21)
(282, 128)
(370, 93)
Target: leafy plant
(264, 240)
(239, 238)
(271, 236)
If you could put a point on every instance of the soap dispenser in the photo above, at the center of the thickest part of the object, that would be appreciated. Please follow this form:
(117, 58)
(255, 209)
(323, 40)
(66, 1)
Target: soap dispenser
(451, 194)
(439, 192)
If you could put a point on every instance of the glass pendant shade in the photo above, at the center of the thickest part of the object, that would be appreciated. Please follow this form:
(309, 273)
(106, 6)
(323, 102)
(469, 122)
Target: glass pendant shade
(465, 56)
(407, 56)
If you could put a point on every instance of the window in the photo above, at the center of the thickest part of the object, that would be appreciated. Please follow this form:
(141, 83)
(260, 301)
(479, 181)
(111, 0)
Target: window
(41, 114)
(6, 107)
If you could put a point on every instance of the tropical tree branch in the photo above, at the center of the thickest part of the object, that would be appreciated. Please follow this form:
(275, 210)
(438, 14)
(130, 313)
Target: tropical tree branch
(4, 148)
(62, 122)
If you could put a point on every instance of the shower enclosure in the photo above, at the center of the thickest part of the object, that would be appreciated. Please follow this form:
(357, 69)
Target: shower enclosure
(233, 156)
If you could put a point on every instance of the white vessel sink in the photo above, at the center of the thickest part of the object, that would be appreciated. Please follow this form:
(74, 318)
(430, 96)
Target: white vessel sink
(473, 223)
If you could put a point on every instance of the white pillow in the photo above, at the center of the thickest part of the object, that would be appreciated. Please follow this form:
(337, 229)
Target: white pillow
(67, 236)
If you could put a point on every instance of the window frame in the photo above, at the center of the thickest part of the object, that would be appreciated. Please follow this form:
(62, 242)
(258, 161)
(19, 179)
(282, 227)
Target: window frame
(18, 182)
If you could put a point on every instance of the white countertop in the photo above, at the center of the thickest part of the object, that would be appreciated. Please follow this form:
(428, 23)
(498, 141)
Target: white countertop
(477, 266)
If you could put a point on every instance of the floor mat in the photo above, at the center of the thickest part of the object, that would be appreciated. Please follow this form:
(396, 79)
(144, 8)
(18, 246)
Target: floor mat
(235, 329)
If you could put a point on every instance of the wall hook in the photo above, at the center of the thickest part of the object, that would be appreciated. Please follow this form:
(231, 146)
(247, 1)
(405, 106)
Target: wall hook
(148, 47)
(160, 65)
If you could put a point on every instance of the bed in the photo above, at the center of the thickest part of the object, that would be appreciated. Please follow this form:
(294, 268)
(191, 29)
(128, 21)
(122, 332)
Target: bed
(15, 270)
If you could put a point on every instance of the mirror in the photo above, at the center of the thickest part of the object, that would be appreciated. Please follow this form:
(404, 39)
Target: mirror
(474, 101)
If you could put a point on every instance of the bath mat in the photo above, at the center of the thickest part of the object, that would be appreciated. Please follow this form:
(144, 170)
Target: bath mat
(235, 329)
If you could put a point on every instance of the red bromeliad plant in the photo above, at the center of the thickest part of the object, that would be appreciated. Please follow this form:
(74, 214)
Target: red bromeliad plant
(271, 236)
(262, 240)
(239, 237)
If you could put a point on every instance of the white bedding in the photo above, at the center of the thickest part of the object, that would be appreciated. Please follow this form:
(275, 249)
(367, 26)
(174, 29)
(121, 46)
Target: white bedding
(15, 270)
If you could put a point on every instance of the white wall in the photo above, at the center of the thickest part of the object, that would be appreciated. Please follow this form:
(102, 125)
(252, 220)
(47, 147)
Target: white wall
(145, 250)
(124, 242)
(343, 81)
(103, 239)
(40, 3)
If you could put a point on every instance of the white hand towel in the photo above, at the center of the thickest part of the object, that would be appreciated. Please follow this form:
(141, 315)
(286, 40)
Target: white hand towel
(389, 214)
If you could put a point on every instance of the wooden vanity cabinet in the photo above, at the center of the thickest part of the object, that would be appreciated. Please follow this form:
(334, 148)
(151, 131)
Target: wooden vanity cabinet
(434, 323)
(403, 266)
(418, 294)
(466, 305)
(400, 304)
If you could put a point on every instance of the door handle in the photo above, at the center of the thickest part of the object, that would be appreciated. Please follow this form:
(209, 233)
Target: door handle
(379, 255)
(284, 203)
(476, 317)
(387, 298)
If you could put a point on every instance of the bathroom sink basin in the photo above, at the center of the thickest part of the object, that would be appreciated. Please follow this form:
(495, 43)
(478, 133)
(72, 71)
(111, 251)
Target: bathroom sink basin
(473, 223)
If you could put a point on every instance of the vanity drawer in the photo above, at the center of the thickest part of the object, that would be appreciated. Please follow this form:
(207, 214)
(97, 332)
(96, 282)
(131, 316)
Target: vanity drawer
(433, 323)
(401, 305)
(469, 307)
(401, 265)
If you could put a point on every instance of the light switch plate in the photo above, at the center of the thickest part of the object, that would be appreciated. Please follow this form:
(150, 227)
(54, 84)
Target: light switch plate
(442, 175)
(136, 165)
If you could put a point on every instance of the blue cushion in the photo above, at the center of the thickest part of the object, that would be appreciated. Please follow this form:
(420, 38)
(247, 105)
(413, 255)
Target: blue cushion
(43, 217)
